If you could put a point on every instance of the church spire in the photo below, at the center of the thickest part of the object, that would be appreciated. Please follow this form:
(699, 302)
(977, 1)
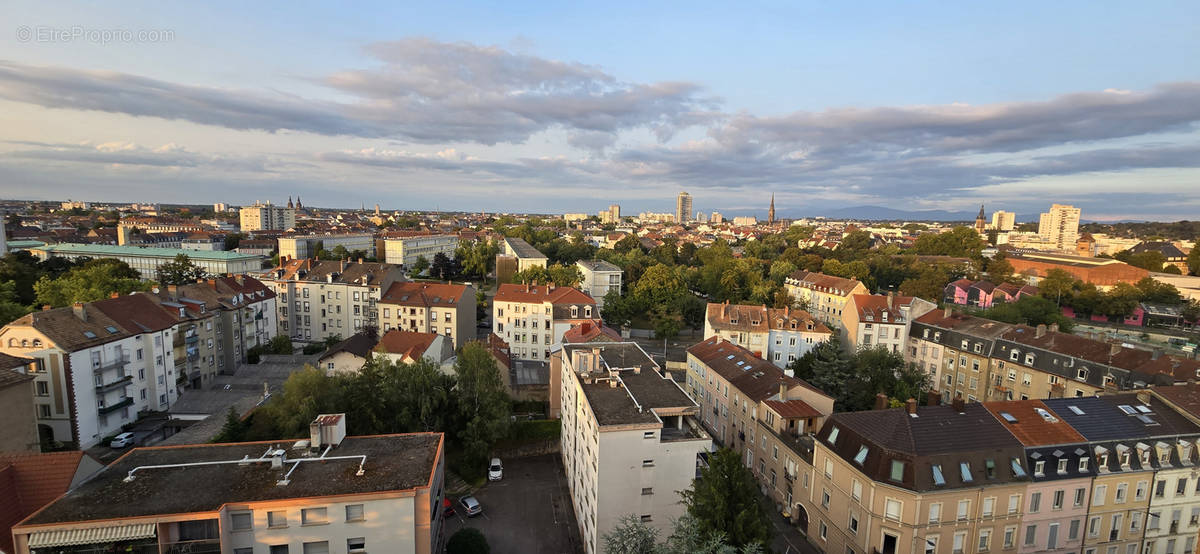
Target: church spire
(771, 211)
(980, 222)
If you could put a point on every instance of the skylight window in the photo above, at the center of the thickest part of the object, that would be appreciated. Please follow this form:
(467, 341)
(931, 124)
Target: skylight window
(1016, 467)
(861, 456)
(833, 435)
(1127, 409)
(111, 330)
(1008, 417)
(965, 469)
(1075, 410)
(1146, 419)
(938, 478)
(89, 334)
(897, 470)
(1143, 408)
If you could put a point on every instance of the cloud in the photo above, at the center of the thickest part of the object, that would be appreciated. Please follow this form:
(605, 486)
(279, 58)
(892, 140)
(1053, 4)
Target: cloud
(421, 90)
(166, 156)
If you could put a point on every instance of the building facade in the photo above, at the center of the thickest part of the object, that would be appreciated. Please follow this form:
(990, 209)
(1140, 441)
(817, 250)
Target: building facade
(267, 217)
(147, 259)
(871, 320)
(599, 277)
(17, 392)
(778, 335)
(447, 310)
(405, 250)
(533, 318)
(683, 208)
(1060, 227)
(307, 246)
(322, 299)
(824, 296)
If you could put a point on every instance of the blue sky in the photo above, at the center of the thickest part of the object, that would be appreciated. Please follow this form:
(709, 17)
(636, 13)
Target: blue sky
(528, 107)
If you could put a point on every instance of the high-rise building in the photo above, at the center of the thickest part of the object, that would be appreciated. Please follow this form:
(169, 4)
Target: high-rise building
(717, 218)
(220, 207)
(1003, 221)
(1060, 227)
(683, 208)
(267, 217)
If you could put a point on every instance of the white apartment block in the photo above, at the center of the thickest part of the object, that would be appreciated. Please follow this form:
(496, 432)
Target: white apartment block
(307, 246)
(778, 335)
(1060, 227)
(630, 440)
(327, 494)
(321, 299)
(406, 250)
(533, 318)
(94, 375)
(267, 217)
(526, 255)
(1003, 221)
(599, 277)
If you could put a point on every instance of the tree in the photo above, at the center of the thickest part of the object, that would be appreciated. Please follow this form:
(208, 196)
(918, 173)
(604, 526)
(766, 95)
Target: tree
(1149, 260)
(725, 499)
(10, 308)
(419, 266)
(1029, 310)
(1193, 260)
(444, 267)
(233, 240)
(92, 281)
(467, 540)
(233, 429)
(1152, 290)
(280, 344)
(962, 242)
(631, 536)
(179, 271)
(482, 402)
(688, 537)
(1058, 285)
(828, 367)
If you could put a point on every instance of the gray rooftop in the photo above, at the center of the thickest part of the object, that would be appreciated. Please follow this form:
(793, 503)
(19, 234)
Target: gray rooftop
(523, 249)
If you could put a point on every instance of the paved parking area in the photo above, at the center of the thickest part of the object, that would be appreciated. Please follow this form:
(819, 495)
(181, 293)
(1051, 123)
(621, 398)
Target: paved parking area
(527, 512)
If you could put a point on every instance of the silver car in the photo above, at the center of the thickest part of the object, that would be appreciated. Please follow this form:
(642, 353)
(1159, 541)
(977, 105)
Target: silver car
(470, 506)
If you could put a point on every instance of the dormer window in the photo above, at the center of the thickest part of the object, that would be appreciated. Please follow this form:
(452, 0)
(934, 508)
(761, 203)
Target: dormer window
(861, 456)
(1029, 359)
(1082, 374)
(964, 345)
(1016, 468)
(1083, 464)
(1039, 468)
(965, 469)
(1164, 453)
(1014, 354)
(925, 335)
(937, 336)
(833, 435)
(1062, 466)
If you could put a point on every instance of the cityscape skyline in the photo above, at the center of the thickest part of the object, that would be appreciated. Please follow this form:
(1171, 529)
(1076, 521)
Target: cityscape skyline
(535, 109)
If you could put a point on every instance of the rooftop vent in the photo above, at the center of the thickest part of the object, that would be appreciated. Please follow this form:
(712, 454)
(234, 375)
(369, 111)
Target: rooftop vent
(327, 430)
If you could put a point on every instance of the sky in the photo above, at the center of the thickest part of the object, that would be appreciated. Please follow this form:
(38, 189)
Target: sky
(570, 107)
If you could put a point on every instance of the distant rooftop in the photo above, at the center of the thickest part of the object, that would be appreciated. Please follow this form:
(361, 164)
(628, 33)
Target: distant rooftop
(523, 249)
(108, 250)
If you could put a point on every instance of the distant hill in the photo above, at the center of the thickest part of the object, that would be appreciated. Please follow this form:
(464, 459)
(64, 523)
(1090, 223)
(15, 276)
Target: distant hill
(882, 213)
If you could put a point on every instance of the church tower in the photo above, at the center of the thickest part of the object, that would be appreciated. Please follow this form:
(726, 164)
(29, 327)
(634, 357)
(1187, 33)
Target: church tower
(980, 225)
(771, 211)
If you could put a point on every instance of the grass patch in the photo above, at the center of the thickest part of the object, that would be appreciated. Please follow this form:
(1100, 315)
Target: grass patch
(536, 430)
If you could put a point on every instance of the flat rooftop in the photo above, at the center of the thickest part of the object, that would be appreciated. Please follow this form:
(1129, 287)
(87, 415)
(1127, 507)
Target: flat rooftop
(108, 250)
(523, 249)
(639, 394)
(394, 462)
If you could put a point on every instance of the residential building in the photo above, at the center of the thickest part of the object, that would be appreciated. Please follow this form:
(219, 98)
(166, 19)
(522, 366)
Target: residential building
(322, 299)
(1171, 253)
(1060, 227)
(405, 249)
(683, 207)
(307, 246)
(526, 255)
(407, 347)
(871, 320)
(267, 217)
(778, 335)
(379, 493)
(147, 259)
(1055, 505)
(532, 318)
(629, 438)
(754, 408)
(17, 391)
(349, 355)
(29, 481)
(611, 215)
(824, 296)
(243, 311)
(1003, 221)
(140, 312)
(955, 351)
(599, 277)
(932, 479)
(96, 375)
(421, 307)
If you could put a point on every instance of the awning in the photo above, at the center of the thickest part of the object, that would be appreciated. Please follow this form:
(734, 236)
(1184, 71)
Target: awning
(68, 537)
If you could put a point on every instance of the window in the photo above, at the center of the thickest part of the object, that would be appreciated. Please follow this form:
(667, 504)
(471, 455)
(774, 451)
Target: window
(1073, 531)
(1079, 493)
(319, 547)
(931, 541)
(276, 520)
(935, 512)
(965, 469)
(824, 531)
(1100, 494)
(356, 545)
(938, 478)
(1035, 501)
(1010, 536)
(279, 549)
(989, 506)
(647, 463)
(242, 521)
(897, 470)
(646, 491)
(862, 456)
(1030, 535)
(853, 524)
(985, 539)
(1083, 465)
(647, 518)
(855, 490)
(1062, 466)
(824, 498)
(1014, 503)
(354, 512)
(964, 509)
(314, 516)
(1139, 493)
(960, 539)
(1094, 526)
(1058, 500)
(892, 509)
(1122, 489)
(44, 411)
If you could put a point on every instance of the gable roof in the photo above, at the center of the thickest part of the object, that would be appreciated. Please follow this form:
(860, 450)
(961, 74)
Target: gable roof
(760, 318)
(29, 481)
(359, 344)
(411, 293)
(512, 292)
(824, 283)
(756, 378)
(71, 333)
(136, 313)
(409, 344)
(591, 330)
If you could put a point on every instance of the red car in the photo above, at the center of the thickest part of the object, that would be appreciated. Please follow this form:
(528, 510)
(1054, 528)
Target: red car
(447, 507)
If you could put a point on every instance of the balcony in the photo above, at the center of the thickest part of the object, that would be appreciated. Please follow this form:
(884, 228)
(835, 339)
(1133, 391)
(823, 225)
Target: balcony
(192, 339)
(209, 546)
(105, 387)
(115, 362)
(127, 401)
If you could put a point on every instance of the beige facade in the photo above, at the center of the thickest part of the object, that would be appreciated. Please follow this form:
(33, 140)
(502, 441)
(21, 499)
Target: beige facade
(443, 309)
(824, 296)
(533, 318)
(322, 299)
(267, 217)
(406, 250)
(16, 404)
(307, 246)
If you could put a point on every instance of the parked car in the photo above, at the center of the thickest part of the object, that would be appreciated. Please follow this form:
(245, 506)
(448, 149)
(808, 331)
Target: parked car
(470, 506)
(495, 470)
(121, 441)
(447, 507)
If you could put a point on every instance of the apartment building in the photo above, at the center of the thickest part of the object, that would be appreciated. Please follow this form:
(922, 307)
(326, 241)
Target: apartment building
(930, 479)
(955, 351)
(1060, 227)
(1056, 503)
(532, 318)
(31, 480)
(751, 406)
(92, 374)
(330, 493)
(192, 346)
(629, 438)
(307, 246)
(267, 217)
(404, 248)
(525, 254)
(322, 299)
(599, 277)
(1105, 273)
(777, 335)
(439, 308)
(243, 316)
(16, 405)
(824, 296)
(871, 320)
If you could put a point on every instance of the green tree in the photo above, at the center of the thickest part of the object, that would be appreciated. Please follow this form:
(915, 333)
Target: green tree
(962, 242)
(1150, 260)
(10, 309)
(179, 271)
(1193, 259)
(482, 402)
(419, 266)
(280, 344)
(1029, 310)
(468, 540)
(628, 244)
(631, 536)
(1058, 285)
(1152, 290)
(234, 428)
(444, 267)
(92, 281)
(725, 499)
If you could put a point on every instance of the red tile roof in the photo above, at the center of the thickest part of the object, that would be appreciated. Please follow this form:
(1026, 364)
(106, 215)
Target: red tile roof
(1033, 428)
(30, 481)
(511, 292)
(409, 344)
(591, 330)
(792, 408)
(411, 293)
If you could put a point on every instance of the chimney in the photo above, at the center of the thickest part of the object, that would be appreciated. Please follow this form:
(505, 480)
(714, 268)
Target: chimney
(959, 404)
(1143, 396)
(173, 290)
(946, 312)
(1114, 348)
(782, 391)
(586, 327)
(891, 299)
(881, 401)
(1053, 328)
(360, 260)
(342, 265)
(933, 398)
(1040, 331)
(910, 406)
(79, 311)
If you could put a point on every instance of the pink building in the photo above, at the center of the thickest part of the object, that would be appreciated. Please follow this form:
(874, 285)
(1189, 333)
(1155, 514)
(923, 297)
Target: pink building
(956, 292)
